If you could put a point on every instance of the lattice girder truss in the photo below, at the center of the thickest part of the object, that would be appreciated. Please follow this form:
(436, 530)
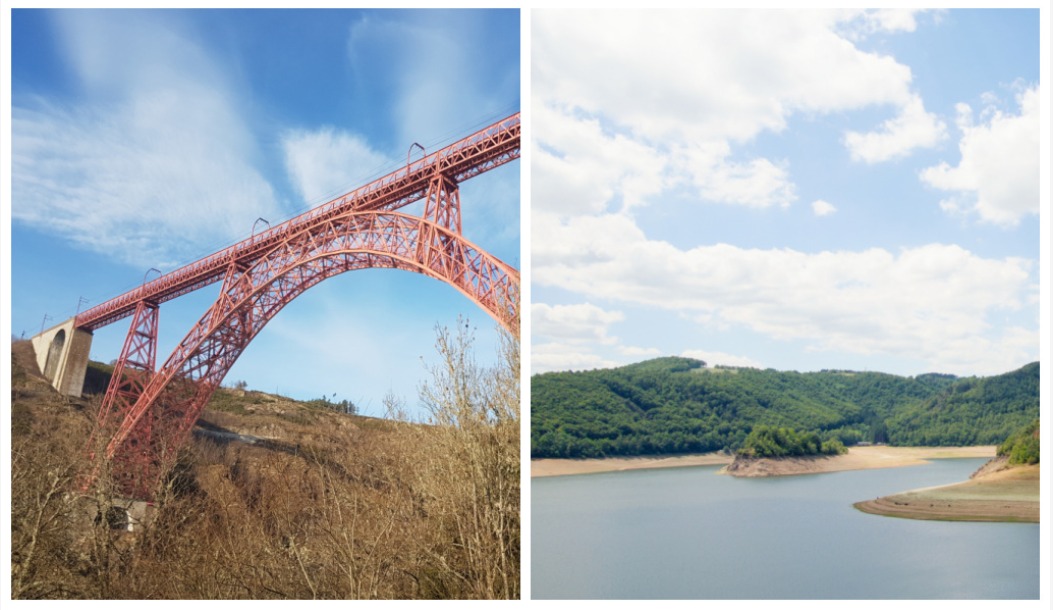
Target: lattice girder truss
(168, 406)
(131, 374)
(488, 148)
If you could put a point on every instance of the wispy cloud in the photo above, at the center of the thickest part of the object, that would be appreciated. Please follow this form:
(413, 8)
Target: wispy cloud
(436, 68)
(152, 164)
(327, 162)
(445, 76)
(823, 208)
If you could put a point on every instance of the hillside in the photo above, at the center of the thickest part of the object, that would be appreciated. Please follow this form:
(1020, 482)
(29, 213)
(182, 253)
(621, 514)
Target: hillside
(678, 405)
(272, 499)
(973, 411)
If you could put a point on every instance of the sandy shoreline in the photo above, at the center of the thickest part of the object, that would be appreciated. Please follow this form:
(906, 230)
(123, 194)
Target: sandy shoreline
(857, 458)
(553, 467)
(1006, 495)
(999, 495)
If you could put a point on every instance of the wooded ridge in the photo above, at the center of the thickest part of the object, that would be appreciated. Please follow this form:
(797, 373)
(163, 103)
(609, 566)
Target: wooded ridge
(679, 405)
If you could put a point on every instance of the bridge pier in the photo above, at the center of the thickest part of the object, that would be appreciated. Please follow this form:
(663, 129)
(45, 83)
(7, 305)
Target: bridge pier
(62, 354)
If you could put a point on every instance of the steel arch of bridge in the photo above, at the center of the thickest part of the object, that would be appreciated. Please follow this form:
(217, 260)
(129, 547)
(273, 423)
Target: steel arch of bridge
(148, 416)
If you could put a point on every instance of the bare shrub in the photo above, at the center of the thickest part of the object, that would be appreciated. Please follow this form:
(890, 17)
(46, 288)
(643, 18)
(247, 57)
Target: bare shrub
(468, 470)
(51, 523)
(331, 509)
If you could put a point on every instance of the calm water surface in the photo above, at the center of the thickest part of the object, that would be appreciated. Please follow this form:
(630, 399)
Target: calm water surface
(688, 533)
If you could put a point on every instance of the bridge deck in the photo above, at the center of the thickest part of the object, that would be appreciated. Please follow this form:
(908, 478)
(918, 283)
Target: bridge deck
(482, 151)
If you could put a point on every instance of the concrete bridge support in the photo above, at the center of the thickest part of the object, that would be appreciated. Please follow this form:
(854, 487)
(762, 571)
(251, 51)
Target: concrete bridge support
(62, 354)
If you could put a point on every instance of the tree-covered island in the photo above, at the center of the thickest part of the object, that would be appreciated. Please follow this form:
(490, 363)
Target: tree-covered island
(771, 442)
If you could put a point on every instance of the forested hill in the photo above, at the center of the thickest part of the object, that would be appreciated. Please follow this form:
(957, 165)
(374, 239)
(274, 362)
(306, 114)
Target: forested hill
(679, 405)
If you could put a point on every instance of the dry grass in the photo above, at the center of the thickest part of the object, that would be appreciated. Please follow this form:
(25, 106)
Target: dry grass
(331, 506)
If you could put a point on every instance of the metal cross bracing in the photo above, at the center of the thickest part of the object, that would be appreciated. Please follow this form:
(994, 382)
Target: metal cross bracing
(146, 416)
(131, 373)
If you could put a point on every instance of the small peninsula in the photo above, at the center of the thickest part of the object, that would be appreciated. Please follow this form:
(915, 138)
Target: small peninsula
(1006, 488)
(1005, 494)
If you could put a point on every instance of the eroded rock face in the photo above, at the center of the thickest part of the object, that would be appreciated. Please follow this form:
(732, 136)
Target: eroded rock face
(993, 465)
(747, 467)
(774, 467)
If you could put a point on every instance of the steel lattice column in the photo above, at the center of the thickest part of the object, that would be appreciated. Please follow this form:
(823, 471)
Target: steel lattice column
(131, 374)
(443, 203)
(443, 208)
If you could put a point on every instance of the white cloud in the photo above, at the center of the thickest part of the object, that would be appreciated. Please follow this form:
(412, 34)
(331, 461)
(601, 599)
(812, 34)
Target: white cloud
(153, 167)
(860, 24)
(988, 355)
(757, 183)
(768, 63)
(606, 143)
(572, 337)
(909, 304)
(913, 128)
(586, 168)
(580, 239)
(639, 353)
(893, 20)
(823, 208)
(690, 118)
(998, 174)
(328, 162)
(582, 322)
(548, 357)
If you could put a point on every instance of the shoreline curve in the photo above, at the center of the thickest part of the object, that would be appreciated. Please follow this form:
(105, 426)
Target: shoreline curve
(857, 458)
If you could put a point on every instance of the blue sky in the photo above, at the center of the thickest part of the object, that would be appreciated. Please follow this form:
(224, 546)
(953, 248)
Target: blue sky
(150, 138)
(797, 190)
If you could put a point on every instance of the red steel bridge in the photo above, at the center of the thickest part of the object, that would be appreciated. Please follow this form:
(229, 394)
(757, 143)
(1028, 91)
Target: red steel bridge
(148, 412)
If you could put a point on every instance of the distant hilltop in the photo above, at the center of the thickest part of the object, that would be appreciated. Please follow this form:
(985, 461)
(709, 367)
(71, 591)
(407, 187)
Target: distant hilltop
(679, 405)
(683, 363)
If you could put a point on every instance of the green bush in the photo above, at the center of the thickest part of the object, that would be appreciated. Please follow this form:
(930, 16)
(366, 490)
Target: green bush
(1023, 446)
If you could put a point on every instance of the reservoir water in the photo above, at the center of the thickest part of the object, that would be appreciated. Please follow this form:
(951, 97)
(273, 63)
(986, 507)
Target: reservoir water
(689, 533)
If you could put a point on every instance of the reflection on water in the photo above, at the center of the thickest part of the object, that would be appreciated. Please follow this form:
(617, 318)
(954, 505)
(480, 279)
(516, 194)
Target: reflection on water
(688, 533)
